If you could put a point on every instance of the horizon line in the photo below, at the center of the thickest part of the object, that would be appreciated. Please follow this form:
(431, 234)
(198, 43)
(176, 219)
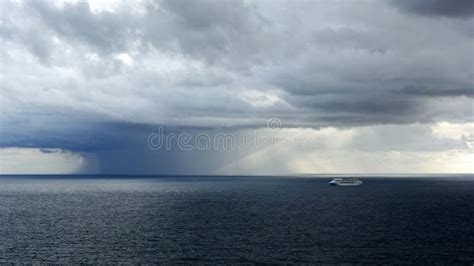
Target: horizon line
(242, 175)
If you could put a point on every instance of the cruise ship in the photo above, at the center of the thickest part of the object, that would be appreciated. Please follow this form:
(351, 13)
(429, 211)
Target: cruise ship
(346, 181)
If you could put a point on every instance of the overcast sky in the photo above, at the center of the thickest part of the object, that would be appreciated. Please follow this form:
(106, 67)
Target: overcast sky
(374, 86)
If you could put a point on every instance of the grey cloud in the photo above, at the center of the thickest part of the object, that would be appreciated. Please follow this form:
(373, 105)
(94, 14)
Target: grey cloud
(194, 63)
(23, 30)
(207, 14)
(431, 92)
(451, 8)
(104, 31)
(404, 138)
(363, 109)
(350, 38)
(226, 32)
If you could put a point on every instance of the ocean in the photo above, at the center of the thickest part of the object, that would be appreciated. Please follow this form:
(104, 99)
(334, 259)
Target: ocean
(394, 220)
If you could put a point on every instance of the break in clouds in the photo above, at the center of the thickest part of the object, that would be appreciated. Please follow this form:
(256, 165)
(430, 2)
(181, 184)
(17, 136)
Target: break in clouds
(91, 80)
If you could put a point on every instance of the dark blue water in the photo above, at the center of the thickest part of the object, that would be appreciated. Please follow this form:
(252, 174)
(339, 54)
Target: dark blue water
(236, 220)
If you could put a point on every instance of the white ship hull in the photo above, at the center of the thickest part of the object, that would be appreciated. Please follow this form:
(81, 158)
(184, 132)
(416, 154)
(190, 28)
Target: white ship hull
(346, 182)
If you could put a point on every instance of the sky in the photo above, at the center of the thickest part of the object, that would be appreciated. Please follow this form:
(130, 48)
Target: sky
(236, 87)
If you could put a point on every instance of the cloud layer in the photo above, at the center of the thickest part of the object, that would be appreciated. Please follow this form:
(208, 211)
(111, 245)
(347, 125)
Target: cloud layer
(88, 77)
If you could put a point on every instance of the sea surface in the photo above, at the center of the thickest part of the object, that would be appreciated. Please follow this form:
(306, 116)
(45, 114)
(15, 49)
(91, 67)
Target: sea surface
(402, 220)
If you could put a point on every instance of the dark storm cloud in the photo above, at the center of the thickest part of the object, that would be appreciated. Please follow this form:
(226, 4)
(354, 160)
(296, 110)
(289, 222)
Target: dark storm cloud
(222, 49)
(78, 136)
(450, 8)
(98, 81)
(360, 108)
(430, 92)
(121, 148)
